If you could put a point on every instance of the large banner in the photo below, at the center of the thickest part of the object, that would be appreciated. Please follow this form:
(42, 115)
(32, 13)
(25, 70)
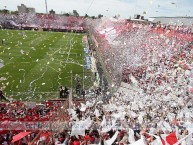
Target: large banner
(88, 62)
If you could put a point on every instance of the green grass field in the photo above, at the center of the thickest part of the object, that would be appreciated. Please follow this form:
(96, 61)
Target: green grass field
(36, 64)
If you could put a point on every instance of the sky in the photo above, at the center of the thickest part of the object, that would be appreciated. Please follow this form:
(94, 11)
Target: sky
(109, 8)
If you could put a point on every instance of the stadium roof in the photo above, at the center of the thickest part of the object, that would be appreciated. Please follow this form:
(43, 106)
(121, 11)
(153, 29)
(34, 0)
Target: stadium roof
(172, 17)
(187, 21)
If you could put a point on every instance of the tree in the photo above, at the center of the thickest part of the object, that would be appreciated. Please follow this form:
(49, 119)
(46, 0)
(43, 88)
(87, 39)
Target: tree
(14, 12)
(4, 11)
(93, 17)
(66, 14)
(52, 12)
(115, 17)
(75, 13)
(71, 14)
(86, 16)
(40, 13)
(100, 16)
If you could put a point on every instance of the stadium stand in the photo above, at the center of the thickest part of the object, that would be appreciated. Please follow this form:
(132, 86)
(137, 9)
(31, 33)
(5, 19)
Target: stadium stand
(153, 104)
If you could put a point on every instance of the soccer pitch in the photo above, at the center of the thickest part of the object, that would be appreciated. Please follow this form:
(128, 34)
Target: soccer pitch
(36, 64)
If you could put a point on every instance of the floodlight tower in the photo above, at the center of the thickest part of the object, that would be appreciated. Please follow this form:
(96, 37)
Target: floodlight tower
(46, 7)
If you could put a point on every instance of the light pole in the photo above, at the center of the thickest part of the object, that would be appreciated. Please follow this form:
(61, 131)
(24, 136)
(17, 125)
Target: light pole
(46, 7)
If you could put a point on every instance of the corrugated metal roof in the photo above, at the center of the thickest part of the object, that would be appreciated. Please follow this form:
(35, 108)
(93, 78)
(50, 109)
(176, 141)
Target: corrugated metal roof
(187, 21)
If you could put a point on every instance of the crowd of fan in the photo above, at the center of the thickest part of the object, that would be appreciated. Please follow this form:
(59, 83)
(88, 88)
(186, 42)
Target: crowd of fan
(27, 20)
(140, 118)
(156, 65)
(135, 45)
(17, 116)
(154, 106)
(135, 115)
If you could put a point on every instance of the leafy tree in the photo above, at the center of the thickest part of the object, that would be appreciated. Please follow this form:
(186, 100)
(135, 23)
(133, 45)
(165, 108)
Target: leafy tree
(71, 13)
(115, 17)
(40, 13)
(100, 16)
(93, 17)
(75, 13)
(14, 12)
(4, 11)
(52, 11)
(86, 16)
(66, 14)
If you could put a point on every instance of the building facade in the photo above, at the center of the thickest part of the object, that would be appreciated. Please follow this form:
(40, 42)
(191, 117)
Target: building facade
(24, 9)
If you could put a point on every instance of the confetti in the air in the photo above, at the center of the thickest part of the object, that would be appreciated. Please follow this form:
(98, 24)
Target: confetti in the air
(22, 51)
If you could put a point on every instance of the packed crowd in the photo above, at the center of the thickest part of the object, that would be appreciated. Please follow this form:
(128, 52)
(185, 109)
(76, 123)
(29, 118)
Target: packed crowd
(130, 45)
(19, 117)
(138, 120)
(27, 20)
(155, 62)
(117, 122)
(153, 105)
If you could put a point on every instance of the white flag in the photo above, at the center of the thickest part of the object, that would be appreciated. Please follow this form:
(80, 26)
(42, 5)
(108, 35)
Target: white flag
(96, 112)
(110, 141)
(83, 107)
(78, 129)
(131, 137)
(184, 138)
(70, 99)
(139, 142)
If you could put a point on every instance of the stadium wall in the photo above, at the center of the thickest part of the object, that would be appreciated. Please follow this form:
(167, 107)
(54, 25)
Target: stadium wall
(105, 80)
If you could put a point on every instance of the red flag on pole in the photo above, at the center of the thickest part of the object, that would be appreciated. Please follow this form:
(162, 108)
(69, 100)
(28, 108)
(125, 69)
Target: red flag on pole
(19, 136)
(172, 138)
